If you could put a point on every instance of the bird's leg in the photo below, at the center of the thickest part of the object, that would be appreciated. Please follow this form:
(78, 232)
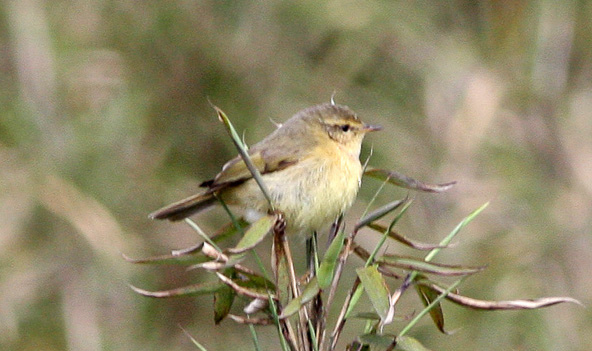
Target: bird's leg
(312, 254)
(316, 313)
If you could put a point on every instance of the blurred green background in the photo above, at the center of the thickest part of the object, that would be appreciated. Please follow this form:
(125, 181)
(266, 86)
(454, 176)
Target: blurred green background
(105, 118)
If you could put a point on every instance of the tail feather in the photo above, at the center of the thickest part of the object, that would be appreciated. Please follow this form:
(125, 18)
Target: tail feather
(186, 207)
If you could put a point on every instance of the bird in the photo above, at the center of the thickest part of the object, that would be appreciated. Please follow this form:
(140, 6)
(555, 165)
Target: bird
(310, 165)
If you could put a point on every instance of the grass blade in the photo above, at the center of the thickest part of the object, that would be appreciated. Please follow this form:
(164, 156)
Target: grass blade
(327, 267)
(242, 150)
(193, 340)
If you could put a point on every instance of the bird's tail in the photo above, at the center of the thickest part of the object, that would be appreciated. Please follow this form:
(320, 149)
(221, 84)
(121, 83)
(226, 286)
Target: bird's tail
(186, 207)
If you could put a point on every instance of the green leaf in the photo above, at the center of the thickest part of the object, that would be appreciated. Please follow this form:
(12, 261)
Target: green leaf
(378, 342)
(169, 259)
(191, 290)
(407, 343)
(310, 291)
(455, 231)
(223, 300)
(401, 180)
(446, 241)
(201, 233)
(242, 150)
(370, 259)
(354, 300)
(376, 289)
(427, 296)
(252, 280)
(327, 267)
(255, 234)
(419, 265)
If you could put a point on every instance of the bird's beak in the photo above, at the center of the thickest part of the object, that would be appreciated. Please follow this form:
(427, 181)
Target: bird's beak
(371, 128)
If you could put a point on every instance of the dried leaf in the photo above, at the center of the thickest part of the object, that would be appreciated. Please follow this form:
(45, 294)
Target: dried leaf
(414, 264)
(501, 305)
(211, 266)
(281, 271)
(255, 306)
(401, 180)
(255, 293)
(379, 213)
(191, 290)
(402, 239)
(227, 231)
(254, 321)
(190, 255)
(221, 261)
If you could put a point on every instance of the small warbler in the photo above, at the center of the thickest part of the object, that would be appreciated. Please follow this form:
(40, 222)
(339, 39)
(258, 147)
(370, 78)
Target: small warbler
(310, 165)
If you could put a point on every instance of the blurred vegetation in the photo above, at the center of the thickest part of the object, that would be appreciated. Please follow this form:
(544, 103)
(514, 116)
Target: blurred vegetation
(105, 117)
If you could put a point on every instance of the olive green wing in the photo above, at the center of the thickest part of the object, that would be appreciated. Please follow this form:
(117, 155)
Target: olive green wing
(264, 161)
(234, 171)
(270, 155)
(281, 149)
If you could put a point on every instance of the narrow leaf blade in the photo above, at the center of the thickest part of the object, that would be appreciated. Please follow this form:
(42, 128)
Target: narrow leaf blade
(169, 259)
(242, 150)
(309, 292)
(327, 267)
(402, 239)
(376, 289)
(403, 181)
(407, 343)
(223, 300)
(255, 234)
(379, 213)
(191, 290)
(488, 305)
(446, 241)
(413, 264)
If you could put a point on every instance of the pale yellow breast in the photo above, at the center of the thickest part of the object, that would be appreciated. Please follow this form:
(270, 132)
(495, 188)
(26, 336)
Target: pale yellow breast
(311, 193)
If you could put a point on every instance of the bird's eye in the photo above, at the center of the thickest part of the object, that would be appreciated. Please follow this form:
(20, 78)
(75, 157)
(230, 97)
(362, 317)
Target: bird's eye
(345, 128)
